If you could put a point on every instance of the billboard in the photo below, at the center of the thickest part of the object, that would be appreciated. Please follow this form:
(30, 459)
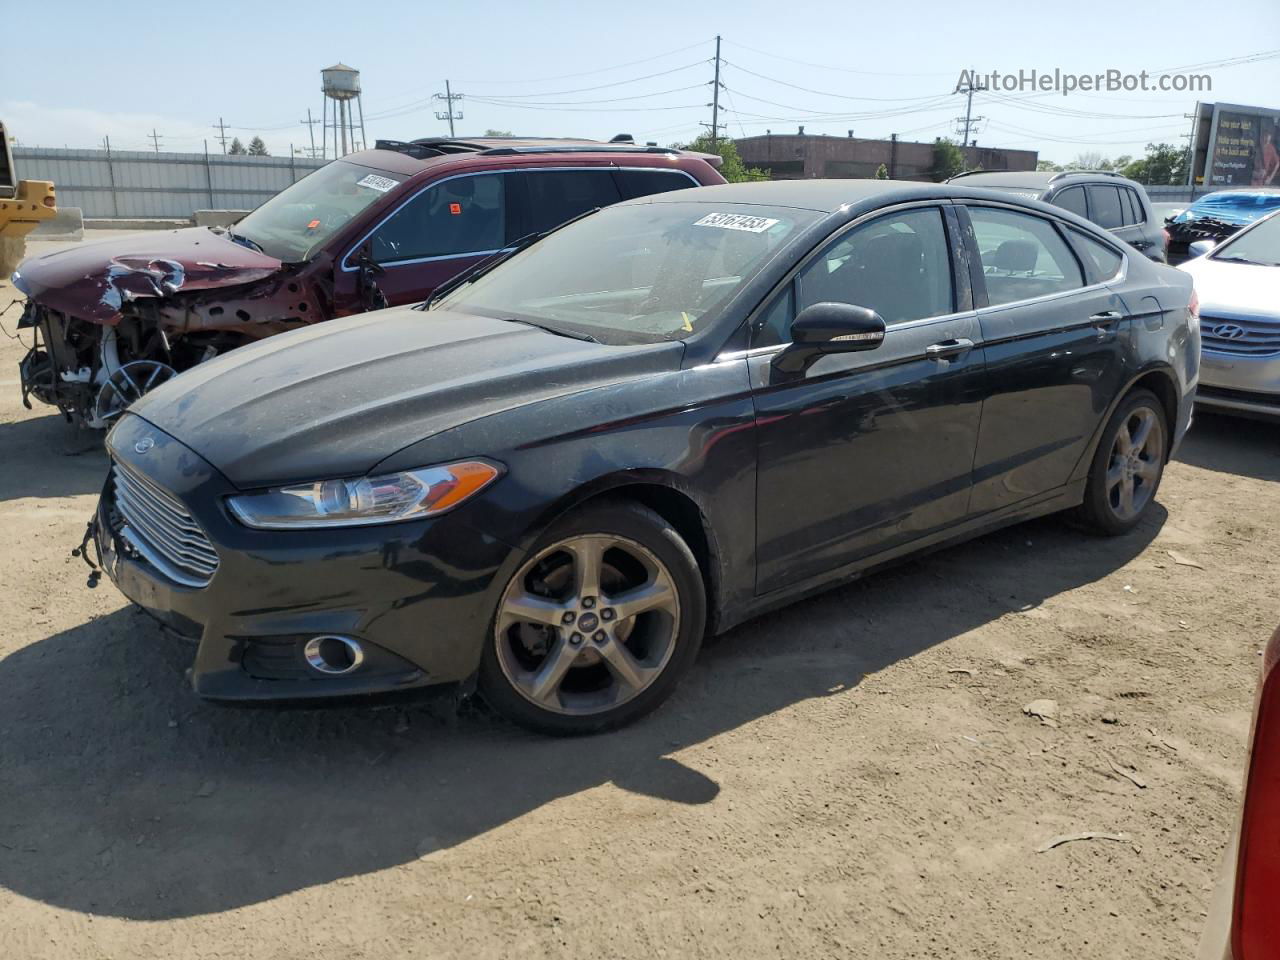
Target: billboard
(1236, 146)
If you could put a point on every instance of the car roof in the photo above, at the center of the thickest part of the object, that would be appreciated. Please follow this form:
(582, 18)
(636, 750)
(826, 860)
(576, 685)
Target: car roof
(1038, 179)
(824, 196)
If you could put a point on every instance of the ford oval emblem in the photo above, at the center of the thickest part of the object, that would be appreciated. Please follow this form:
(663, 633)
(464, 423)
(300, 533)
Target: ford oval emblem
(143, 445)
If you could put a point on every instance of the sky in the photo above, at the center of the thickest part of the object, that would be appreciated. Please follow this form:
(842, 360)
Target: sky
(554, 68)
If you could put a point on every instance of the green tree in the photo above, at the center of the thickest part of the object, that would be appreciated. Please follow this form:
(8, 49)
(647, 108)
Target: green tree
(1163, 163)
(882, 172)
(237, 148)
(1048, 166)
(257, 148)
(497, 133)
(732, 169)
(948, 160)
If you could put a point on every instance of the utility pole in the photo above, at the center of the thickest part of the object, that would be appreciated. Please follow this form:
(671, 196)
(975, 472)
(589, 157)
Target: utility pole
(968, 88)
(155, 138)
(222, 133)
(311, 129)
(715, 99)
(448, 97)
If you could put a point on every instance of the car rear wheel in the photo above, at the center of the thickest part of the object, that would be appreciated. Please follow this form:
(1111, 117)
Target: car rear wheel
(598, 625)
(1128, 465)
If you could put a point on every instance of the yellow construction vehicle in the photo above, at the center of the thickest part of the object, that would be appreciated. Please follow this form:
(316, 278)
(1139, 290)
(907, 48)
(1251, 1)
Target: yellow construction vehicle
(23, 204)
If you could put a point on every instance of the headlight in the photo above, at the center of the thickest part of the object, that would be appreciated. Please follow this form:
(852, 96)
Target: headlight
(365, 500)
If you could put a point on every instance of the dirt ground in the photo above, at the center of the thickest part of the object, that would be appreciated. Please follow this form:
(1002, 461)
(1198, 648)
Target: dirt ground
(851, 777)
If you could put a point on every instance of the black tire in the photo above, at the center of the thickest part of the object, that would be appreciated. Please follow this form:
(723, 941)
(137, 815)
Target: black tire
(1099, 511)
(634, 524)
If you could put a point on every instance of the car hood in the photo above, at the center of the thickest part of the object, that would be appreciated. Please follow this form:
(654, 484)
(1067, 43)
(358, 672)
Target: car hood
(334, 399)
(93, 280)
(1234, 289)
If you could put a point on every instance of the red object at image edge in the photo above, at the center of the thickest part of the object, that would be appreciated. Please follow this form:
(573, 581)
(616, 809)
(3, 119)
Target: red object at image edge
(1255, 928)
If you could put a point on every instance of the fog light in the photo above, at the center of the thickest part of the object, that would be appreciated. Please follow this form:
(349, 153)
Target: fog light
(333, 655)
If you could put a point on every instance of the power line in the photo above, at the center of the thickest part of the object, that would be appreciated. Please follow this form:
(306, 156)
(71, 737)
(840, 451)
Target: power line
(825, 93)
(155, 138)
(824, 66)
(587, 73)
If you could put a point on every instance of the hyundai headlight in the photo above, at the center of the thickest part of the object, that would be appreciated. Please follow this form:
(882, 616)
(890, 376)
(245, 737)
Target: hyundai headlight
(389, 498)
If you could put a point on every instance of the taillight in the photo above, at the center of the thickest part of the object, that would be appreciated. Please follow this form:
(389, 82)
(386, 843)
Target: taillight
(1167, 238)
(1255, 926)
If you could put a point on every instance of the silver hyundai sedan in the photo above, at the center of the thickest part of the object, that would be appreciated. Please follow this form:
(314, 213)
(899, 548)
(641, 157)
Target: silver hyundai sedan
(1238, 283)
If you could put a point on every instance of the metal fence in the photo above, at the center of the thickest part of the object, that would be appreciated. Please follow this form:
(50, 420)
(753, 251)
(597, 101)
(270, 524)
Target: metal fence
(134, 183)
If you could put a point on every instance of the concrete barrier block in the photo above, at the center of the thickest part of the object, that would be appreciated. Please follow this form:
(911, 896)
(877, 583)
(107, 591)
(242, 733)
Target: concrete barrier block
(218, 218)
(67, 224)
(135, 223)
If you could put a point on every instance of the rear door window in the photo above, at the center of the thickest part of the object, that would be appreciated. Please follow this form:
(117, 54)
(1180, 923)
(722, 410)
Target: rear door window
(1022, 256)
(644, 183)
(1104, 202)
(1073, 199)
(456, 217)
(1101, 261)
(559, 195)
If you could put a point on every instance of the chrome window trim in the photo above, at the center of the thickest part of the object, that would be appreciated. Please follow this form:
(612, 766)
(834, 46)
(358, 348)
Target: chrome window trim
(346, 267)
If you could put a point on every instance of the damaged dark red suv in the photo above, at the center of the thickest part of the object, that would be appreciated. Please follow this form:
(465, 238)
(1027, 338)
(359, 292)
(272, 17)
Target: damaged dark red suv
(382, 227)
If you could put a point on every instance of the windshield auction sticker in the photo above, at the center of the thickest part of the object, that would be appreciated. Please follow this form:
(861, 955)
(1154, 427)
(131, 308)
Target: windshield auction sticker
(375, 182)
(735, 221)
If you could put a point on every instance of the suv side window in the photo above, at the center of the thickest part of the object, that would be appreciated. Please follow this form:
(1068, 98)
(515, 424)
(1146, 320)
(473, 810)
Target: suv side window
(644, 183)
(1135, 201)
(1072, 199)
(1022, 256)
(464, 215)
(559, 195)
(898, 265)
(1104, 201)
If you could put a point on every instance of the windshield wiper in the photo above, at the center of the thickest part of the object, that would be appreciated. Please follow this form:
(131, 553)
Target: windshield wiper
(244, 241)
(479, 270)
(491, 261)
(558, 331)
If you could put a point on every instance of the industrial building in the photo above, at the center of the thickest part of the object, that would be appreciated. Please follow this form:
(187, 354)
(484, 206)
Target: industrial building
(798, 156)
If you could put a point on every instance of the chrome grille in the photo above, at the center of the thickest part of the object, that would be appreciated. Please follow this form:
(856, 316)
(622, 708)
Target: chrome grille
(1261, 338)
(161, 530)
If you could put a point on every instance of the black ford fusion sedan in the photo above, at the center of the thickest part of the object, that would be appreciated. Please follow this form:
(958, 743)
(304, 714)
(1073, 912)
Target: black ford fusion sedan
(647, 426)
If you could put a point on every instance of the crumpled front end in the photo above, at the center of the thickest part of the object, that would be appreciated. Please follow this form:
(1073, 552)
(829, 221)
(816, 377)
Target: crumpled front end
(113, 320)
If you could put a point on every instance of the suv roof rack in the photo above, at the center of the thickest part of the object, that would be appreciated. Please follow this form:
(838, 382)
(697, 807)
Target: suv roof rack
(427, 147)
(1092, 173)
(580, 148)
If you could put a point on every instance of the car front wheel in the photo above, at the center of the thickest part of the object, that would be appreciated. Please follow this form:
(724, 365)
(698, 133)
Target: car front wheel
(597, 626)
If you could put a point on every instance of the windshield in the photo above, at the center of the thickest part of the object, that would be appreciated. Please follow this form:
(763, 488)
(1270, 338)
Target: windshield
(1259, 245)
(1231, 207)
(294, 223)
(635, 273)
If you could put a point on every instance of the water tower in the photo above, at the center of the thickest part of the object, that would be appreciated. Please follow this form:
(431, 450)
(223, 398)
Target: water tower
(341, 85)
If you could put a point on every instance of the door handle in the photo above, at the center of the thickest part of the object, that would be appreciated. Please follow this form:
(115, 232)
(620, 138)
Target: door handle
(948, 348)
(1105, 323)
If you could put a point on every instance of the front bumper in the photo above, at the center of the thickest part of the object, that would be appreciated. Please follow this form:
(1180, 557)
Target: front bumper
(418, 596)
(1239, 383)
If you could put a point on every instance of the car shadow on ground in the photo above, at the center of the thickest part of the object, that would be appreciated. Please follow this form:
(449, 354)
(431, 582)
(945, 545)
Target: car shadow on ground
(48, 457)
(122, 794)
(1247, 448)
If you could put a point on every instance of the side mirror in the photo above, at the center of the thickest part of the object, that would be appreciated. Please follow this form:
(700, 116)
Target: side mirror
(1199, 248)
(829, 328)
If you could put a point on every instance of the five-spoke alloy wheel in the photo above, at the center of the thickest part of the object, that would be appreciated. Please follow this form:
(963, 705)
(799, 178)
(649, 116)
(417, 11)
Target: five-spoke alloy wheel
(1128, 465)
(597, 624)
